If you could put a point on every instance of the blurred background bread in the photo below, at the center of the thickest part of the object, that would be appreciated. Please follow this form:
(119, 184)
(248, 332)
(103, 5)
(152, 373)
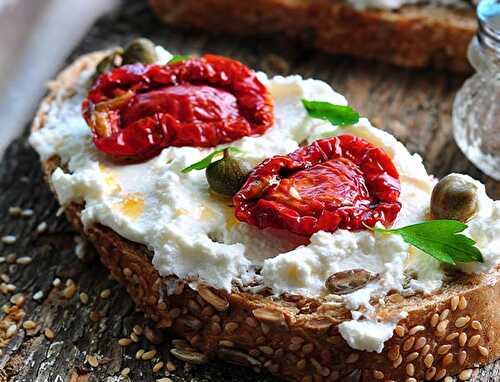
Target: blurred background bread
(414, 36)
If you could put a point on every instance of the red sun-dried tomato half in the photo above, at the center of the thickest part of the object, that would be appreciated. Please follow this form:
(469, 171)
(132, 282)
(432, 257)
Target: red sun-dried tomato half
(137, 110)
(335, 183)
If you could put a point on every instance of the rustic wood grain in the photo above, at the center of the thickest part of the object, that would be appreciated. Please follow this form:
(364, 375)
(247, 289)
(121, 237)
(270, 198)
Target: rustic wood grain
(415, 106)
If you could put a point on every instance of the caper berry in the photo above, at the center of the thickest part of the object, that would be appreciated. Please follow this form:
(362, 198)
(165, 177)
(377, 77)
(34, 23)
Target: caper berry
(227, 175)
(140, 50)
(454, 197)
(112, 61)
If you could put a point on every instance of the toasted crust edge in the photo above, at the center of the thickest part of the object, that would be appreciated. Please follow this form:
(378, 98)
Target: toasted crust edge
(295, 337)
(413, 36)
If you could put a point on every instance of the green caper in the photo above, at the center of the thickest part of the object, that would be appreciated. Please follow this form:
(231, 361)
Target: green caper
(454, 197)
(140, 50)
(112, 61)
(227, 175)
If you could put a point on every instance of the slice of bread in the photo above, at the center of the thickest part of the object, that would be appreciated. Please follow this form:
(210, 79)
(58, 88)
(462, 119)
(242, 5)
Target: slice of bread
(295, 337)
(413, 36)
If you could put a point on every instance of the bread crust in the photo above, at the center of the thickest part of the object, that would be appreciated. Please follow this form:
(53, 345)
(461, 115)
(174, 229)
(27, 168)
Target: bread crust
(412, 36)
(294, 337)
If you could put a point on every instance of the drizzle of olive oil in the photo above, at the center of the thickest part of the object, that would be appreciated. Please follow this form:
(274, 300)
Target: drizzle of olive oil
(132, 206)
(225, 206)
(181, 212)
(231, 220)
(294, 274)
(113, 186)
(206, 213)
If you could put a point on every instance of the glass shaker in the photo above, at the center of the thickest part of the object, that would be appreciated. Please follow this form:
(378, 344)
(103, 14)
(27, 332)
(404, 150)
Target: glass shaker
(476, 109)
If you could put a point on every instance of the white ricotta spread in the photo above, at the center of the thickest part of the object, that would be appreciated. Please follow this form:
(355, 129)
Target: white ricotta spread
(366, 335)
(194, 234)
(305, 269)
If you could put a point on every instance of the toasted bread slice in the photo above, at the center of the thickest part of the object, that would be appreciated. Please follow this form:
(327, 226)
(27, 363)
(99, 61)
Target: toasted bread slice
(413, 36)
(296, 337)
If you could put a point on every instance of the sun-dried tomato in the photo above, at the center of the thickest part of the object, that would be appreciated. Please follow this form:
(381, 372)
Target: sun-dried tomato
(335, 183)
(136, 110)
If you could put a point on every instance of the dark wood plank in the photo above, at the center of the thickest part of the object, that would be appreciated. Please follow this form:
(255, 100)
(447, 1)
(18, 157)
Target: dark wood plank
(415, 106)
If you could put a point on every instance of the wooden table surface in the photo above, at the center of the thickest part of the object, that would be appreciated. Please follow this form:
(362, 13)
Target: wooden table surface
(414, 106)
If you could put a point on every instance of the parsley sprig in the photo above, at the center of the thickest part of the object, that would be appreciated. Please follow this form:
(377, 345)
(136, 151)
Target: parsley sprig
(205, 162)
(179, 58)
(337, 115)
(440, 239)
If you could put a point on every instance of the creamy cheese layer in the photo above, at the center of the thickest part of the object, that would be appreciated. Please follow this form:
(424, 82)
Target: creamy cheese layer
(195, 236)
(366, 335)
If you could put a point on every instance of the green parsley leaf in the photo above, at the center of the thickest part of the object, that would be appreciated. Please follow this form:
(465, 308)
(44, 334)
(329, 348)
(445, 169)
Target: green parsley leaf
(179, 58)
(337, 115)
(440, 239)
(205, 162)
